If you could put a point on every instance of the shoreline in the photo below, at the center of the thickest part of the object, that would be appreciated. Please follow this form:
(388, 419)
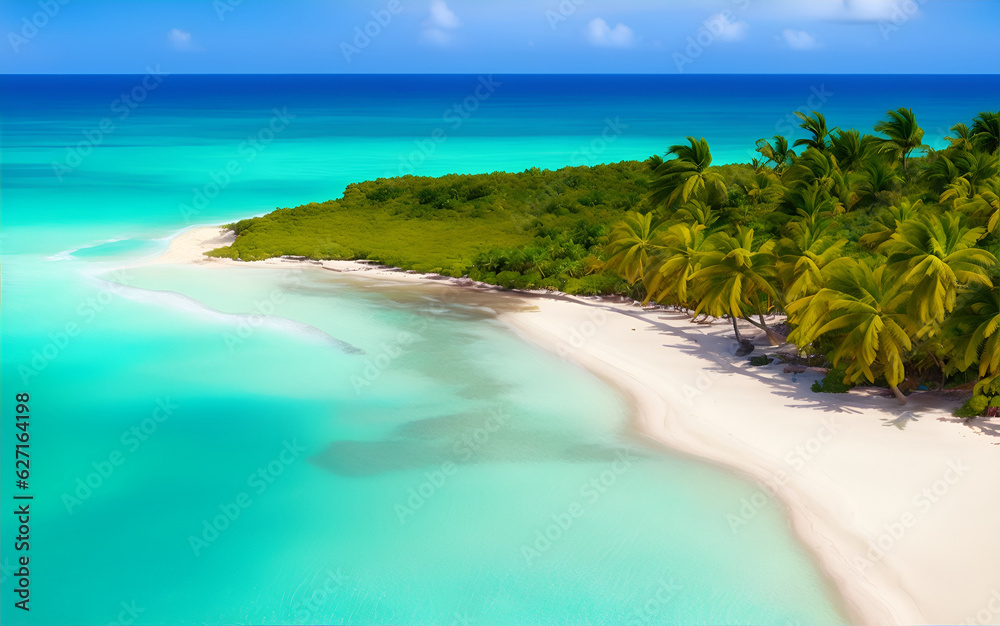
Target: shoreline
(859, 476)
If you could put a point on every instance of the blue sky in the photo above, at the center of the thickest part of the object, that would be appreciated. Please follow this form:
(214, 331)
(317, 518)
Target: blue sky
(512, 36)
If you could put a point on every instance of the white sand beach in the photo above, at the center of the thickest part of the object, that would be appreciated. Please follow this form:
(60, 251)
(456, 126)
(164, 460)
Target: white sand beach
(898, 504)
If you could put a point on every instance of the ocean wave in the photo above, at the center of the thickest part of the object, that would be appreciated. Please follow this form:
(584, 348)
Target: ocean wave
(181, 302)
(67, 255)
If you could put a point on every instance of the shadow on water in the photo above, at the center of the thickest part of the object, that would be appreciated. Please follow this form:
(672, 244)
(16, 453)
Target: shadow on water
(463, 439)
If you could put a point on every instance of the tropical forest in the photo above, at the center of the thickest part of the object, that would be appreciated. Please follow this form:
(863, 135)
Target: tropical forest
(873, 254)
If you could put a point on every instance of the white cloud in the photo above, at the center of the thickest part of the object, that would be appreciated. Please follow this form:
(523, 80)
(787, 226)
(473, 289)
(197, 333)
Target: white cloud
(600, 34)
(722, 26)
(798, 39)
(862, 11)
(442, 16)
(875, 10)
(180, 39)
(441, 21)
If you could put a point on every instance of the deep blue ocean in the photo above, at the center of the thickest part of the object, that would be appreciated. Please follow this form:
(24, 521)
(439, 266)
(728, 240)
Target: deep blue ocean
(192, 464)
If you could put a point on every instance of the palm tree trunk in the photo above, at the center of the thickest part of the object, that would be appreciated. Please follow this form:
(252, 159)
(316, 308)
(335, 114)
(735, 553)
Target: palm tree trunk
(899, 394)
(739, 339)
(773, 337)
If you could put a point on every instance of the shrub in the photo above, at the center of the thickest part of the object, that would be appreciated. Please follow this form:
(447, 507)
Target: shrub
(833, 382)
(976, 406)
(507, 279)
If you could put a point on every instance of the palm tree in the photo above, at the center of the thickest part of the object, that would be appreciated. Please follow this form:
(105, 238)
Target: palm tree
(736, 277)
(763, 187)
(850, 148)
(670, 281)
(902, 134)
(882, 177)
(889, 220)
(634, 246)
(980, 169)
(697, 212)
(863, 312)
(942, 173)
(814, 205)
(688, 176)
(981, 208)
(972, 337)
(811, 167)
(962, 140)
(779, 153)
(816, 126)
(985, 131)
(848, 188)
(801, 256)
(937, 255)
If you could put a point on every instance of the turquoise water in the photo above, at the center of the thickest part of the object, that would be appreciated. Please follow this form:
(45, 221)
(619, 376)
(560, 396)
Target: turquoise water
(358, 475)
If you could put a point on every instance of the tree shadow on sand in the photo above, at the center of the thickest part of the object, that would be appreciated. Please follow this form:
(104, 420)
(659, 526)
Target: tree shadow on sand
(982, 425)
(722, 362)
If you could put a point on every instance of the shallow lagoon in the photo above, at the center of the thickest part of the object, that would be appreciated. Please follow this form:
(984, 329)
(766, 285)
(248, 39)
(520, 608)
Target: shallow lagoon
(219, 409)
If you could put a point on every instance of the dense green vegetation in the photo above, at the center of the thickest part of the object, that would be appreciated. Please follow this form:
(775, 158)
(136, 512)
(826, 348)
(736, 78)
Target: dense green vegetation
(880, 250)
(535, 229)
(883, 261)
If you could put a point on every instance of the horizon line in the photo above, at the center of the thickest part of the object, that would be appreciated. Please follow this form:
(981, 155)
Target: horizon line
(500, 73)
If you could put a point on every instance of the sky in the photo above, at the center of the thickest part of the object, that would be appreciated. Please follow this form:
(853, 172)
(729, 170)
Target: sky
(509, 36)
